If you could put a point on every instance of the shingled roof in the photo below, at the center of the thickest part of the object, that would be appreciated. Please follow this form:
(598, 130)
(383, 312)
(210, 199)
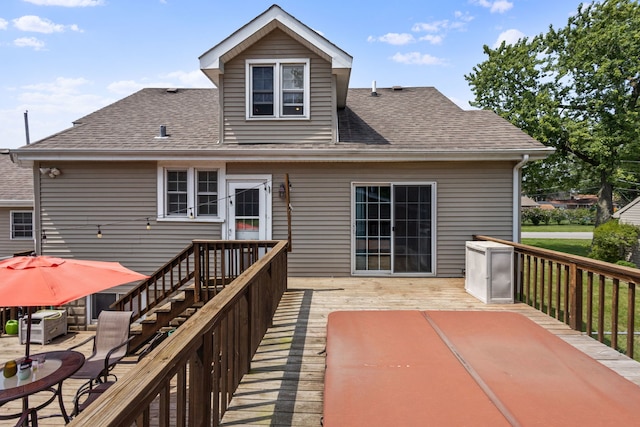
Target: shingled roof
(407, 120)
(17, 184)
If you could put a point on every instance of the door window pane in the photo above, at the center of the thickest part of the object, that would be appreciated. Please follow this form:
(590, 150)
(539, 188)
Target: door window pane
(413, 234)
(247, 213)
(373, 228)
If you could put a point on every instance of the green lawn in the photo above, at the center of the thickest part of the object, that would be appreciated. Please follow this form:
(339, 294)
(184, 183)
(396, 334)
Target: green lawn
(556, 228)
(570, 246)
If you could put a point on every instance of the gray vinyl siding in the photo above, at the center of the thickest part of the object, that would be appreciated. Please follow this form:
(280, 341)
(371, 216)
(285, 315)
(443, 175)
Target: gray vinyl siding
(472, 198)
(631, 215)
(237, 129)
(8, 246)
(119, 197)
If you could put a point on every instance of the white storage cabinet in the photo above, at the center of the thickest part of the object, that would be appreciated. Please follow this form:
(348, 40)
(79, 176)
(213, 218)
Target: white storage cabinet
(489, 271)
(45, 326)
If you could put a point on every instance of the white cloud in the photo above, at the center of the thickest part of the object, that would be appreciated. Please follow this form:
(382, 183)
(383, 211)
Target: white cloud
(498, 6)
(178, 79)
(397, 39)
(4, 24)
(417, 58)
(66, 3)
(195, 78)
(52, 106)
(430, 27)
(443, 26)
(29, 42)
(126, 87)
(509, 37)
(433, 39)
(501, 6)
(463, 16)
(41, 25)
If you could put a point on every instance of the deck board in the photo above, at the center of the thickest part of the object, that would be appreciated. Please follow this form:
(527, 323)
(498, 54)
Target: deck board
(285, 384)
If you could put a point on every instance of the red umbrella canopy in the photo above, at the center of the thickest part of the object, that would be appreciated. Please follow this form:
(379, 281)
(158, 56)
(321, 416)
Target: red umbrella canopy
(45, 280)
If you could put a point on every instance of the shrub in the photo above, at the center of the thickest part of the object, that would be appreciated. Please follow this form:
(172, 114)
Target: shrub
(536, 216)
(613, 242)
(581, 216)
(558, 215)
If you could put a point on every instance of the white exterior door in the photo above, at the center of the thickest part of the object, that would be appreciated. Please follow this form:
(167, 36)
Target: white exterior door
(249, 208)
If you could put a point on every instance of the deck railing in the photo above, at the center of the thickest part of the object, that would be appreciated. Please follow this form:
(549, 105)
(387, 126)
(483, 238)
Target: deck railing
(595, 297)
(210, 264)
(190, 378)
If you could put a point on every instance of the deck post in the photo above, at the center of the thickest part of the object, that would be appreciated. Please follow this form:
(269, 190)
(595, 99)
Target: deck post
(575, 297)
(197, 269)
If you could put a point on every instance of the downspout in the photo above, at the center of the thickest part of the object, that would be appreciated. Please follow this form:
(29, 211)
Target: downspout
(517, 197)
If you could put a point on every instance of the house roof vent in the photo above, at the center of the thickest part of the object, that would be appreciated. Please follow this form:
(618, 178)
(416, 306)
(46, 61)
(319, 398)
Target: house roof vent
(374, 91)
(163, 132)
(172, 90)
(396, 88)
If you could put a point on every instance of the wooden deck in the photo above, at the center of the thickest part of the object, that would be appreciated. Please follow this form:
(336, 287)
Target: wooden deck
(285, 385)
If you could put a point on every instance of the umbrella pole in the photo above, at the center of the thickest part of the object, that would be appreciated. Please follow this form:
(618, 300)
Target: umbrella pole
(28, 332)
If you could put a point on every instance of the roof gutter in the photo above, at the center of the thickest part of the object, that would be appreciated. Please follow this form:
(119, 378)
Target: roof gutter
(269, 154)
(517, 181)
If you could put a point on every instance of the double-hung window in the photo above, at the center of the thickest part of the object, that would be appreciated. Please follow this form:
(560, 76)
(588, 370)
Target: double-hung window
(278, 89)
(188, 192)
(21, 225)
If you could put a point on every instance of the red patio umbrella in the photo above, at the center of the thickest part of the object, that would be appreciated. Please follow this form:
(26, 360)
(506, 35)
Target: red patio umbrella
(29, 281)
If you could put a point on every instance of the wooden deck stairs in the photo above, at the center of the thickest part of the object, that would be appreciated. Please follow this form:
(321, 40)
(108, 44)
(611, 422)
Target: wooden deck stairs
(164, 317)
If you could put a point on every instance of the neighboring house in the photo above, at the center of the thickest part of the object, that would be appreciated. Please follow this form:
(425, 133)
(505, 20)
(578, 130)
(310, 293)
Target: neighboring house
(528, 202)
(16, 208)
(391, 182)
(575, 202)
(630, 214)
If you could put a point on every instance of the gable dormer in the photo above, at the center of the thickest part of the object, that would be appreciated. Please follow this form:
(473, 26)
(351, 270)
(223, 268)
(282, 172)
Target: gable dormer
(280, 82)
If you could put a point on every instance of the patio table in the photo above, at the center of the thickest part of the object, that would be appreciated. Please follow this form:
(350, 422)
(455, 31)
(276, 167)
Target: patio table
(49, 376)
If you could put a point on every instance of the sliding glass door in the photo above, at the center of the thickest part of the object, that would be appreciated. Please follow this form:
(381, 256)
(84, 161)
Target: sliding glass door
(394, 228)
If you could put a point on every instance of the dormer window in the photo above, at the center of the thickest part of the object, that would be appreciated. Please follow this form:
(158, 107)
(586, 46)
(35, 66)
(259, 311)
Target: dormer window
(278, 89)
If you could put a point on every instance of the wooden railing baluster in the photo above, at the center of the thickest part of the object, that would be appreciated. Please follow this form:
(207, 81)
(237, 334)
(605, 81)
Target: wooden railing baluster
(545, 272)
(205, 360)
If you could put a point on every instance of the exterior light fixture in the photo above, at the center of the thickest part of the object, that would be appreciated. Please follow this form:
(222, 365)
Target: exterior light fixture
(99, 235)
(51, 172)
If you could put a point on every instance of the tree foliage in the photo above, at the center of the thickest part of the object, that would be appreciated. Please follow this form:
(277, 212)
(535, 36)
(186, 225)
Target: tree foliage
(576, 89)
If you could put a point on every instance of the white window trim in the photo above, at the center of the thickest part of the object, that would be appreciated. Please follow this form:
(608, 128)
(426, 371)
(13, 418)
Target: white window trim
(277, 91)
(11, 229)
(191, 169)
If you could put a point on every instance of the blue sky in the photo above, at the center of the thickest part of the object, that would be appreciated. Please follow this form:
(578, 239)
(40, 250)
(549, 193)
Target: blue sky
(63, 59)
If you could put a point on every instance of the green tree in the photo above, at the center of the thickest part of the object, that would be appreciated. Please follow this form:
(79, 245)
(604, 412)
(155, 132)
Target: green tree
(576, 89)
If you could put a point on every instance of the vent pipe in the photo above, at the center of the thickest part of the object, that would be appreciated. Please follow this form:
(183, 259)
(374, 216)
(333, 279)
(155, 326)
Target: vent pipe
(26, 126)
(163, 131)
(374, 91)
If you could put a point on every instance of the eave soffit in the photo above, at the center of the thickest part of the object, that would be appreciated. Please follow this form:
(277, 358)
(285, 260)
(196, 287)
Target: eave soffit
(212, 62)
